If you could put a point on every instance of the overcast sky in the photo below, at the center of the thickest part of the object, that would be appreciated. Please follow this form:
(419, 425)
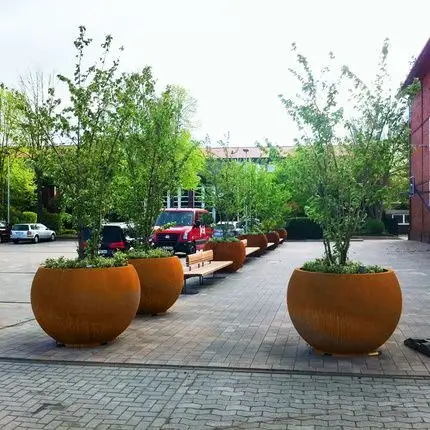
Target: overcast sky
(232, 55)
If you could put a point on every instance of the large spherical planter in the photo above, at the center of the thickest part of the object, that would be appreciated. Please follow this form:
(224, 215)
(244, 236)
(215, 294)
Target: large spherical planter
(85, 307)
(161, 283)
(228, 251)
(344, 314)
(282, 233)
(273, 237)
(255, 240)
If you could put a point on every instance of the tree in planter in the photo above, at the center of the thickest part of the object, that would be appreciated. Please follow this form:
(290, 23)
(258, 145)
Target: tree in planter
(87, 135)
(379, 133)
(224, 187)
(331, 301)
(159, 155)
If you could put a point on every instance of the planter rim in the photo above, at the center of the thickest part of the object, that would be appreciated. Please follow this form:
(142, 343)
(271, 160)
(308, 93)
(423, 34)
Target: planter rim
(81, 268)
(386, 271)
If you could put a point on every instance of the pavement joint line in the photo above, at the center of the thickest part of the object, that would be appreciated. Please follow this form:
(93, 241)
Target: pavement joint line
(17, 324)
(12, 302)
(203, 368)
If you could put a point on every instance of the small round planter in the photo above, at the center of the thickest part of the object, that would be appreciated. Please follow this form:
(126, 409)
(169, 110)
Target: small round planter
(344, 314)
(282, 233)
(85, 307)
(259, 240)
(273, 237)
(228, 251)
(161, 283)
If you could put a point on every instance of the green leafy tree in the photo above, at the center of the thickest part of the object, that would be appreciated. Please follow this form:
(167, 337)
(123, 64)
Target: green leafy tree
(9, 136)
(87, 137)
(159, 155)
(223, 178)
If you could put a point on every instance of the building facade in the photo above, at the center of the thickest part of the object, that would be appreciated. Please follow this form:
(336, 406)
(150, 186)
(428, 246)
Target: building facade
(420, 150)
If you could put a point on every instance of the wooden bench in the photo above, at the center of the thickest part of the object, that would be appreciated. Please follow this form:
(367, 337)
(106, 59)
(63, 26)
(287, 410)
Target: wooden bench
(249, 249)
(270, 244)
(201, 264)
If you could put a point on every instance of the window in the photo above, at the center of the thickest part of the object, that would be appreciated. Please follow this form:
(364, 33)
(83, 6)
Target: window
(179, 218)
(20, 227)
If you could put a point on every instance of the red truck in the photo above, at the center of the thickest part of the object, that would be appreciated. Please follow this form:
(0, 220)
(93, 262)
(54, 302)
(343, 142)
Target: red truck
(188, 234)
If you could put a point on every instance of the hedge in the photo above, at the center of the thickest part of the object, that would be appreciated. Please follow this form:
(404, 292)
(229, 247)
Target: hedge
(303, 228)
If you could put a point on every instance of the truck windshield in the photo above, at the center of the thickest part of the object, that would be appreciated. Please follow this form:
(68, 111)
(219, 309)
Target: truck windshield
(177, 217)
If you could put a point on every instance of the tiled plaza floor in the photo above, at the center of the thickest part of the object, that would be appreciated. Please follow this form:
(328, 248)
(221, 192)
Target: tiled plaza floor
(51, 396)
(241, 321)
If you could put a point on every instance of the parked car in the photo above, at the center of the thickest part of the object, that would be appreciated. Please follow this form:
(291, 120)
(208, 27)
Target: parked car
(188, 233)
(31, 232)
(115, 237)
(227, 229)
(4, 231)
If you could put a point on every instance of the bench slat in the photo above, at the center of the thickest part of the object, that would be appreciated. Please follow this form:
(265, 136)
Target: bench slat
(270, 244)
(207, 269)
(251, 249)
(200, 257)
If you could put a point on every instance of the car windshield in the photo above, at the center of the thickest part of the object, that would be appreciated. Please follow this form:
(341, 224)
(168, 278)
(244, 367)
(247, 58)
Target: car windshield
(20, 227)
(112, 233)
(177, 217)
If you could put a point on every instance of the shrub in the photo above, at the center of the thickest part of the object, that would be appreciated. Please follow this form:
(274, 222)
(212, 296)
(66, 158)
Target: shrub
(374, 226)
(323, 266)
(391, 225)
(51, 220)
(15, 215)
(151, 253)
(28, 217)
(223, 239)
(66, 220)
(118, 260)
(303, 228)
(68, 231)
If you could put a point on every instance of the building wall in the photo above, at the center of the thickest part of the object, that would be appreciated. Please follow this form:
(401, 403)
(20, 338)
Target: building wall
(420, 163)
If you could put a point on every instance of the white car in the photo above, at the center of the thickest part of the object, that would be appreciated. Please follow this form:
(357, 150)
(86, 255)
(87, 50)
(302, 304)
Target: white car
(32, 232)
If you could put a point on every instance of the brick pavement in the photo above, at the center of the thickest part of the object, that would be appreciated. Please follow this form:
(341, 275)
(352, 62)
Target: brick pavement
(241, 321)
(48, 396)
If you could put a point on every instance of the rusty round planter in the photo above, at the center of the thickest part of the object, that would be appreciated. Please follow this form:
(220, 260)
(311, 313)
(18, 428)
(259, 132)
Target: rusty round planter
(282, 233)
(344, 314)
(85, 307)
(259, 240)
(161, 282)
(228, 251)
(273, 237)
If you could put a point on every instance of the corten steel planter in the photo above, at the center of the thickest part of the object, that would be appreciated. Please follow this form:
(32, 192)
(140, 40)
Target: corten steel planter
(259, 240)
(85, 307)
(344, 314)
(161, 282)
(282, 233)
(228, 251)
(273, 237)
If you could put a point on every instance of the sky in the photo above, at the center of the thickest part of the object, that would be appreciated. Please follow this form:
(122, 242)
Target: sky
(232, 56)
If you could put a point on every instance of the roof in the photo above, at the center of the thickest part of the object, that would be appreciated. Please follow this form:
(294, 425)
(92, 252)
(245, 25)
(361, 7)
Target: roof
(245, 151)
(421, 66)
(184, 210)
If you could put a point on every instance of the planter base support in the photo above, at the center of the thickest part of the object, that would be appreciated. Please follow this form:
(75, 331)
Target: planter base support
(369, 354)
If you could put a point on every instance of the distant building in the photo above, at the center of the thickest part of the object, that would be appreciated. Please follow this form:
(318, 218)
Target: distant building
(420, 149)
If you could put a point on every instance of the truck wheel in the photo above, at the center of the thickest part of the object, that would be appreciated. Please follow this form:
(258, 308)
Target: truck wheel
(191, 249)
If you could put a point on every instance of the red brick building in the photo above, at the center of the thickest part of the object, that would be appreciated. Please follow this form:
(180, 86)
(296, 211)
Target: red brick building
(420, 154)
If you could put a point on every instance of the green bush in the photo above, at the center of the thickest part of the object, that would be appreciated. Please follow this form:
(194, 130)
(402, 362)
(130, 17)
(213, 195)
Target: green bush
(15, 215)
(322, 265)
(374, 227)
(223, 239)
(68, 231)
(118, 260)
(51, 220)
(151, 253)
(28, 217)
(303, 228)
(66, 221)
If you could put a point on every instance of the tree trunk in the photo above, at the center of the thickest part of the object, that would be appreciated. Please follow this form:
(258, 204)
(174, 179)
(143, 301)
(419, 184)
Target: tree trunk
(39, 190)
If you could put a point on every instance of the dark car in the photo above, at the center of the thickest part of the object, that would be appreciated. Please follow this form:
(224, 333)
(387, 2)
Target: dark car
(115, 237)
(4, 231)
